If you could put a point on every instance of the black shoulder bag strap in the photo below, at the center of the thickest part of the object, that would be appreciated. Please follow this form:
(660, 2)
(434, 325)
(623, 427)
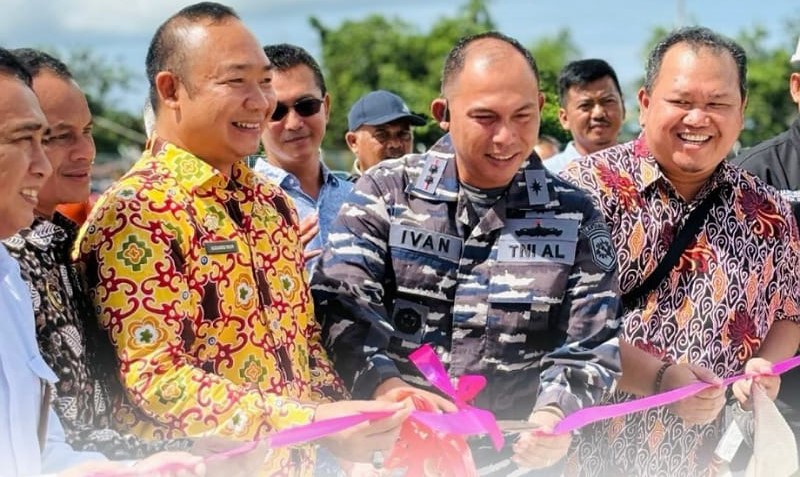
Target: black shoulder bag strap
(679, 244)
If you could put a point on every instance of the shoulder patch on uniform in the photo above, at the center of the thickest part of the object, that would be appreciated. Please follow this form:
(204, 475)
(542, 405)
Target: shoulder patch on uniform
(536, 185)
(603, 253)
(431, 174)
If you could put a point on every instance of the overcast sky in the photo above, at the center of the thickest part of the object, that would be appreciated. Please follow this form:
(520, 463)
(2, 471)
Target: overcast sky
(611, 29)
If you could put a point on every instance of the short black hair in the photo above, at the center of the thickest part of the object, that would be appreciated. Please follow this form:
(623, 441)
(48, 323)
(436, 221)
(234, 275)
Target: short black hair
(582, 72)
(166, 51)
(696, 37)
(37, 61)
(11, 66)
(284, 56)
(454, 62)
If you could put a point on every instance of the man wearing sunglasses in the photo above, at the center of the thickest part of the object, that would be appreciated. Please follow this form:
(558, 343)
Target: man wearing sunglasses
(379, 127)
(292, 142)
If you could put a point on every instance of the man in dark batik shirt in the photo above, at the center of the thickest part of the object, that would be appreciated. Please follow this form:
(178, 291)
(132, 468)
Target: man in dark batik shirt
(66, 330)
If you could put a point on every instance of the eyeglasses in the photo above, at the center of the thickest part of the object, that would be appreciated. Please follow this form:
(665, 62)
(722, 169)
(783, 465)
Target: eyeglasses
(304, 107)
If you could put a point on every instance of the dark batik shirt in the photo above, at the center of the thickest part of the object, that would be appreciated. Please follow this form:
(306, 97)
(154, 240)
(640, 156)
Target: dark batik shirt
(713, 309)
(70, 341)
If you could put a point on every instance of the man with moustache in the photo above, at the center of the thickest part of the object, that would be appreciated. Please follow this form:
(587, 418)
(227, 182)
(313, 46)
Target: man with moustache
(707, 317)
(473, 248)
(195, 265)
(592, 109)
(379, 127)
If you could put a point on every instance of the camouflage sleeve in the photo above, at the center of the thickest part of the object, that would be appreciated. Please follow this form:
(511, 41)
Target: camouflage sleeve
(579, 373)
(326, 386)
(348, 288)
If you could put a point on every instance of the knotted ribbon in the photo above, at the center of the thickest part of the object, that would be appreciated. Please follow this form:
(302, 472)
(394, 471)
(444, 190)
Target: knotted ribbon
(433, 443)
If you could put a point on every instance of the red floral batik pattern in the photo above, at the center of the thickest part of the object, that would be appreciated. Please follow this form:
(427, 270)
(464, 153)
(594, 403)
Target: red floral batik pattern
(713, 309)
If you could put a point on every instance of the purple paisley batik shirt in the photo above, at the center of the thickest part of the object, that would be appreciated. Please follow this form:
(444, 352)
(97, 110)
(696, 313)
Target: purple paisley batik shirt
(713, 309)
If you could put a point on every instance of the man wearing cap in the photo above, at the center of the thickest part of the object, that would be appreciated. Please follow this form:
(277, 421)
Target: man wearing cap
(379, 127)
(777, 162)
(292, 142)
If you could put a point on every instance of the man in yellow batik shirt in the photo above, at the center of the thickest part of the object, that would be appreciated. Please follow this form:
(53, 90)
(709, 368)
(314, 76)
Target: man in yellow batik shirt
(195, 266)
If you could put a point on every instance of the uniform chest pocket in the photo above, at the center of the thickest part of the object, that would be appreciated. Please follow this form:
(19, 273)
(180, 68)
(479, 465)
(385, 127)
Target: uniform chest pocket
(534, 257)
(425, 263)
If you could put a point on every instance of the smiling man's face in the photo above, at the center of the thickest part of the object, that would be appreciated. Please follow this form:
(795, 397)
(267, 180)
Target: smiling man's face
(694, 113)
(69, 145)
(23, 165)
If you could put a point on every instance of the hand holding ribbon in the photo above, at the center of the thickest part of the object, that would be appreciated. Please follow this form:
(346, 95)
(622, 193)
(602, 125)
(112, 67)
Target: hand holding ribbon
(589, 415)
(433, 443)
(468, 420)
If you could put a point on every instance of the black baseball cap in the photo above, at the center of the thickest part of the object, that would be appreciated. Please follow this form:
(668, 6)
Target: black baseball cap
(380, 107)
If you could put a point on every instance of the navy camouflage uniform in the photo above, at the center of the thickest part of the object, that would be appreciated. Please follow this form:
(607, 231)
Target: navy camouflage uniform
(525, 295)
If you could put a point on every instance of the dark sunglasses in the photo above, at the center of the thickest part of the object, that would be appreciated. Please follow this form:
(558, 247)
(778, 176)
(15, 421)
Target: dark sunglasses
(304, 107)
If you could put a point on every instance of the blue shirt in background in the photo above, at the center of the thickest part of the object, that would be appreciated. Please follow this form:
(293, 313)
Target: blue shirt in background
(332, 195)
(558, 162)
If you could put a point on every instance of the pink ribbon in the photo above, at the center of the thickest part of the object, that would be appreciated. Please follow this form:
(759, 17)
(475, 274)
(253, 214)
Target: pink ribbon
(286, 437)
(589, 415)
(468, 420)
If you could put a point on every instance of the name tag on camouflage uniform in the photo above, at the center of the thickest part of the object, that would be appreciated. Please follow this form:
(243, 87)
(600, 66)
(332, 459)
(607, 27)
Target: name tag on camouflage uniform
(538, 239)
(425, 241)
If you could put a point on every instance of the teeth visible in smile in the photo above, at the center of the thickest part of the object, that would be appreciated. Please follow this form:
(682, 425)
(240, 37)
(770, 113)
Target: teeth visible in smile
(694, 137)
(246, 125)
(31, 194)
(501, 158)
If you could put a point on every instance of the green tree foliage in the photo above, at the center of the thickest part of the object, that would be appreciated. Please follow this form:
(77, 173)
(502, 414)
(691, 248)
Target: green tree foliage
(551, 55)
(389, 53)
(769, 108)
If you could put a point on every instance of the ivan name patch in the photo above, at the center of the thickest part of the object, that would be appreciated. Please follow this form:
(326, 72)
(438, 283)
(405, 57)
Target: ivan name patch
(425, 241)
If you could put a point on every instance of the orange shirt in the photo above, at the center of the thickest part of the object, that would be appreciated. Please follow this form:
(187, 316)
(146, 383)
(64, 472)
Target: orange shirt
(77, 211)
